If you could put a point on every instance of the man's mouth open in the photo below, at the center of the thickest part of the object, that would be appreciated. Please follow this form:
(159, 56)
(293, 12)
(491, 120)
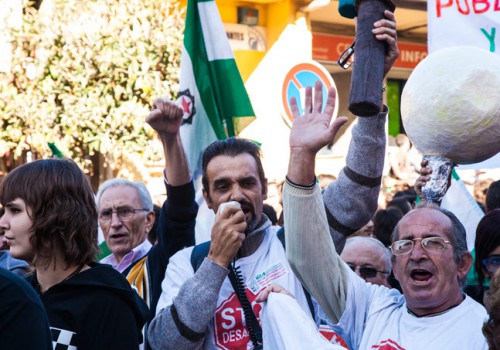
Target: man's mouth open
(117, 236)
(421, 276)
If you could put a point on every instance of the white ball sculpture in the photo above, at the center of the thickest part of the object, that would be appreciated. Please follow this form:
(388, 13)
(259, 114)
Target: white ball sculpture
(450, 105)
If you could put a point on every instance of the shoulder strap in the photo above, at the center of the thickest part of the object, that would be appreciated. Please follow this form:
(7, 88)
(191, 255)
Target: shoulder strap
(281, 237)
(199, 253)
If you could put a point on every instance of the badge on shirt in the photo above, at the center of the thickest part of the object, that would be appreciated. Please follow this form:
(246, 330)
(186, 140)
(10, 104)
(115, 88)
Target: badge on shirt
(263, 279)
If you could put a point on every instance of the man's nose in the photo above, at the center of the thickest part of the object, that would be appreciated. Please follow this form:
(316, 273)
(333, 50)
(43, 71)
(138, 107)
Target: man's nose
(115, 220)
(418, 251)
(236, 193)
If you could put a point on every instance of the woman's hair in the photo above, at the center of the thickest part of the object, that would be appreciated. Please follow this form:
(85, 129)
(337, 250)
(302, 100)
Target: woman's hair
(491, 329)
(487, 240)
(61, 204)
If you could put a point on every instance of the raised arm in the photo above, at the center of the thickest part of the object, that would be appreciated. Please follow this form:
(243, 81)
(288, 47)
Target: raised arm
(310, 250)
(176, 223)
(351, 200)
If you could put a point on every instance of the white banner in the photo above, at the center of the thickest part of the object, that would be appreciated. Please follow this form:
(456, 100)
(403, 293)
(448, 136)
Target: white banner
(464, 22)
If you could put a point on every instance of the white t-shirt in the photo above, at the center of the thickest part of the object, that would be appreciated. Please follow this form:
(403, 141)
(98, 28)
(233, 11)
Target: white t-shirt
(268, 265)
(377, 318)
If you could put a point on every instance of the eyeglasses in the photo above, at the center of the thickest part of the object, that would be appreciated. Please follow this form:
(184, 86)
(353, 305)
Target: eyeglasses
(365, 271)
(345, 59)
(430, 245)
(492, 263)
(123, 213)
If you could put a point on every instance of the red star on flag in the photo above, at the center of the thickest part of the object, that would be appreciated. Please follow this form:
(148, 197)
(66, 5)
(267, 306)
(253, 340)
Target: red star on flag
(186, 105)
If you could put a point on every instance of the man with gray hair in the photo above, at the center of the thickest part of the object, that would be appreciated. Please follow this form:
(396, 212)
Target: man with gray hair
(429, 259)
(369, 259)
(126, 212)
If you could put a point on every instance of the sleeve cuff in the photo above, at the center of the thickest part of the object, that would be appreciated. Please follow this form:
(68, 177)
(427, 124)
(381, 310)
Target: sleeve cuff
(299, 190)
(302, 187)
(166, 180)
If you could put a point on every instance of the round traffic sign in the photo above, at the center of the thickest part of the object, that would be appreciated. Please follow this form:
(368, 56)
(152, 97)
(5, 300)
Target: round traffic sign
(298, 77)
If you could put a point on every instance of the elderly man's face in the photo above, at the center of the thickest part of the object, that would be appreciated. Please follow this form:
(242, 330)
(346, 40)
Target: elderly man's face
(430, 280)
(123, 234)
(368, 260)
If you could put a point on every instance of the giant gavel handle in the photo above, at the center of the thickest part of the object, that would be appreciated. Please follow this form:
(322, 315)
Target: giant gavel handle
(368, 67)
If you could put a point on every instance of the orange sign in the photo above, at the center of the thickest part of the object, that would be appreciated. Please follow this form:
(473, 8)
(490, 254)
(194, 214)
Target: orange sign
(328, 47)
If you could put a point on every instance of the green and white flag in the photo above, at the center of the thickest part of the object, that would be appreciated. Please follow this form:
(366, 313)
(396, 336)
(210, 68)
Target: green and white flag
(211, 91)
(460, 202)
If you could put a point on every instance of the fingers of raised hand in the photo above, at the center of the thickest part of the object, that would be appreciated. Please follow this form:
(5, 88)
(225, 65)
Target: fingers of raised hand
(308, 100)
(336, 125)
(169, 109)
(318, 96)
(294, 108)
(330, 102)
(154, 115)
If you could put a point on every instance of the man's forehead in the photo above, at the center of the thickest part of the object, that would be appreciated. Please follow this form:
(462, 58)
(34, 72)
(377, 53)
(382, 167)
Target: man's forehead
(240, 166)
(119, 196)
(362, 251)
(424, 222)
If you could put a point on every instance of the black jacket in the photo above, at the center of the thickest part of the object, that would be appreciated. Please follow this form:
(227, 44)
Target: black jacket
(95, 309)
(23, 321)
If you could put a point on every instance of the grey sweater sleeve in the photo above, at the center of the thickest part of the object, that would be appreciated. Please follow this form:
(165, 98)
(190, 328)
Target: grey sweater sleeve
(351, 200)
(183, 324)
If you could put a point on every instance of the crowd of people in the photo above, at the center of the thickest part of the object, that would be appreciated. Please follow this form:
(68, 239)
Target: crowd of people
(336, 274)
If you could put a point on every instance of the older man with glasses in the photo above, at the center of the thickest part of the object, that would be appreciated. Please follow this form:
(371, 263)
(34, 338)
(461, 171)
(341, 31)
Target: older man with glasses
(369, 259)
(429, 259)
(126, 213)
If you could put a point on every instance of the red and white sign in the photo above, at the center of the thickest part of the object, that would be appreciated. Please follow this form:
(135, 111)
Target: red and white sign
(332, 336)
(328, 47)
(297, 79)
(463, 22)
(230, 331)
(388, 344)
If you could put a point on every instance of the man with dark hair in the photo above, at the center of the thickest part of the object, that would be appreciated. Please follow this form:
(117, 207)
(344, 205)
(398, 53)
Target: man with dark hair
(243, 241)
(430, 260)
